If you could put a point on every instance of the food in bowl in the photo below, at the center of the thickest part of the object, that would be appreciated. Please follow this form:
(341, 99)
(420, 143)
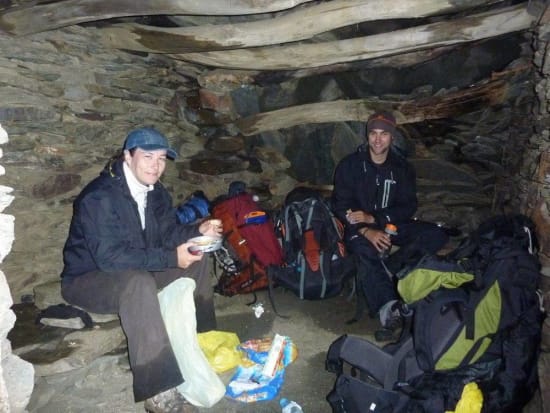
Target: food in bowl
(205, 243)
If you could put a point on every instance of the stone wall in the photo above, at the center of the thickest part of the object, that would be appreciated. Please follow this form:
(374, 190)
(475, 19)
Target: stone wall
(67, 103)
(16, 375)
(534, 182)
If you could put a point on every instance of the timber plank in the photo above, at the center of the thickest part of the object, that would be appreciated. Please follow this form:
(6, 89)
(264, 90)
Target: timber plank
(300, 24)
(394, 61)
(492, 92)
(299, 56)
(35, 18)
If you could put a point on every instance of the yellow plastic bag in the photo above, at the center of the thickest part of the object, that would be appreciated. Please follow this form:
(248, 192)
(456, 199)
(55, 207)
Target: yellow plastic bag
(471, 400)
(220, 349)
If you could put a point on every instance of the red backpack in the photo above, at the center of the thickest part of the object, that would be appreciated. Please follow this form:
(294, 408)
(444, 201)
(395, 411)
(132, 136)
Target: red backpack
(249, 245)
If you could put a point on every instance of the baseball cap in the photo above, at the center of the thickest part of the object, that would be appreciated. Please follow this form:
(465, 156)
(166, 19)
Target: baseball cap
(149, 139)
(381, 120)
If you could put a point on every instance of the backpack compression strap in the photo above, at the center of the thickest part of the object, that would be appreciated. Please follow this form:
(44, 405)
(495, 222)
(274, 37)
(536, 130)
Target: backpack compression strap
(301, 260)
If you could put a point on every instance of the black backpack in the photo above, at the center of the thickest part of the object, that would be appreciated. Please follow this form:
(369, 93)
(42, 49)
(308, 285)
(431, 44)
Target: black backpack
(316, 263)
(474, 315)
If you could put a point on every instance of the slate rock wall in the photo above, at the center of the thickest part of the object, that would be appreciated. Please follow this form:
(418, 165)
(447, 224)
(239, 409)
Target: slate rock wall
(68, 104)
(16, 375)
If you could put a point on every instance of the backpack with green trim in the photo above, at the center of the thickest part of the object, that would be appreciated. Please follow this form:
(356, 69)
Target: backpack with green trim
(473, 315)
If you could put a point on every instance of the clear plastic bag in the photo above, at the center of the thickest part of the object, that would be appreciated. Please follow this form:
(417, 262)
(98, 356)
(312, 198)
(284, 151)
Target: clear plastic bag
(202, 386)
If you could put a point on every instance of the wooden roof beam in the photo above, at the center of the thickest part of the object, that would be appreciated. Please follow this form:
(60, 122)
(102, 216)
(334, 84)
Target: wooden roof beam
(36, 17)
(295, 25)
(489, 93)
(306, 55)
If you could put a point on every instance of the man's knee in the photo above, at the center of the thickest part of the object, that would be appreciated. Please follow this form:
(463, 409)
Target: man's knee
(196, 270)
(139, 282)
(361, 248)
(426, 237)
(436, 238)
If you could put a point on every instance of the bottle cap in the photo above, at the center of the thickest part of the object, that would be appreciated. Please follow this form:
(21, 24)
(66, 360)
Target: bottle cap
(391, 229)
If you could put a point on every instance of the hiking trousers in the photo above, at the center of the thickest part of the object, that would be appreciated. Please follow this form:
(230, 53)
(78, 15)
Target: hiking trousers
(372, 278)
(132, 294)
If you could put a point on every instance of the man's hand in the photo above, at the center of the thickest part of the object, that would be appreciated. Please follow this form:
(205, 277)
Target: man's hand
(380, 239)
(185, 258)
(211, 227)
(357, 217)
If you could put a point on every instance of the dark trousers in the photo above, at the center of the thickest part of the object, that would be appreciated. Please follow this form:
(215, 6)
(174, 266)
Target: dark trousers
(372, 278)
(132, 294)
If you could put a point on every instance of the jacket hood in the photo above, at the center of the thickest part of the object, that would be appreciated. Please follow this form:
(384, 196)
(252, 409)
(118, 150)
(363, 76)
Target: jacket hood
(113, 168)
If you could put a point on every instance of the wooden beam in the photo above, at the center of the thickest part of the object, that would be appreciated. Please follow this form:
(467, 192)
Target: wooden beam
(492, 92)
(292, 57)
(395, 61)
(295, 25)
(35, 18)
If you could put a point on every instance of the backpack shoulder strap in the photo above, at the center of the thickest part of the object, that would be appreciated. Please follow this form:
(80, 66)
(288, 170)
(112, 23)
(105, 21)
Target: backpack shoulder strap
(387, 368)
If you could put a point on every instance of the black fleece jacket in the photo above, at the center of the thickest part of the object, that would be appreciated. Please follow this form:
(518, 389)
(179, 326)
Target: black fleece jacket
(387, 191)
(105, 232)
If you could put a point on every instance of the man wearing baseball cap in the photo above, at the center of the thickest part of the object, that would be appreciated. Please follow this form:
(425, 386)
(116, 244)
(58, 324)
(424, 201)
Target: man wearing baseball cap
(124, 244)
(375, 186)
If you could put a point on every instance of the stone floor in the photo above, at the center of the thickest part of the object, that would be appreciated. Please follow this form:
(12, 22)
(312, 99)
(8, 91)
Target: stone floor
(104, 385)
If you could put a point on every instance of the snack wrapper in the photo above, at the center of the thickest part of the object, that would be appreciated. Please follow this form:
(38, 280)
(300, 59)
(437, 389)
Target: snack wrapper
(250, 383)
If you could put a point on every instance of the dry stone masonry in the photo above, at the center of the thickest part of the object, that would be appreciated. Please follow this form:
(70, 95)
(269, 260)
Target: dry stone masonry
(68, 101)
(16, 375)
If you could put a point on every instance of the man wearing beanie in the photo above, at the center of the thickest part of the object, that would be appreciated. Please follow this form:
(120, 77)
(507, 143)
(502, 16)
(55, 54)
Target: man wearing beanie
(375, 186)
(124, 244)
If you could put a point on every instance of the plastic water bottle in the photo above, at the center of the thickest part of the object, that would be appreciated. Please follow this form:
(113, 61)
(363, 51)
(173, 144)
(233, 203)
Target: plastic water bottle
(391, 230)
(288, 406)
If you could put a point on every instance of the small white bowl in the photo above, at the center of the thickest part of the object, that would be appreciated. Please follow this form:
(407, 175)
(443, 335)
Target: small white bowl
(205, 243)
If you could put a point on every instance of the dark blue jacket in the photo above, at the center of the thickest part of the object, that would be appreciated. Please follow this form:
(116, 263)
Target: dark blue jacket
(387, 191)
(106, 235)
